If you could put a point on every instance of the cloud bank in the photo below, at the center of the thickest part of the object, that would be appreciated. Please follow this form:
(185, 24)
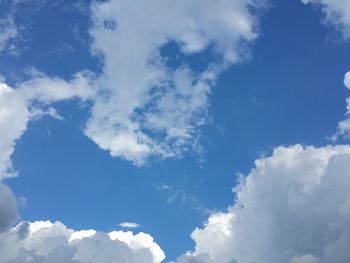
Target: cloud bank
(293, 207)
(46, 242)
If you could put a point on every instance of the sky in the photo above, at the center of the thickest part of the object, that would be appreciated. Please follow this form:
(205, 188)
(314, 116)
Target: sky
(174, 131)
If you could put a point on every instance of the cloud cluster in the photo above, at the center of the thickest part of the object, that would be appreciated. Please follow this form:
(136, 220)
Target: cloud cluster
(144, 106)
(293, 207)
(337, 14)
(46, 242)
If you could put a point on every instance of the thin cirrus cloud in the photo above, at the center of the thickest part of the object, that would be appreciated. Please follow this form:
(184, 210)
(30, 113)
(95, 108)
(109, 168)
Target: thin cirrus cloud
(8, 31)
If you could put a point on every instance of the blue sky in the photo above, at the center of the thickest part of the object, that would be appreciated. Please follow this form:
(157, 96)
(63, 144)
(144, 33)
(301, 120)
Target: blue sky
(288, 90)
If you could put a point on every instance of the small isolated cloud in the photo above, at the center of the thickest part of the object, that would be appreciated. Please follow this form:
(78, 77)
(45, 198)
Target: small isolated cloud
(53, 242)
(344, 126)
(129, 225)
(293, 207)
(337, 14)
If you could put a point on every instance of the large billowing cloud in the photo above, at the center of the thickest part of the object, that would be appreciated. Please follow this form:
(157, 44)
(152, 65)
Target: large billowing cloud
(293, 207)
(46, 242)
(337, 14)
(145, 106)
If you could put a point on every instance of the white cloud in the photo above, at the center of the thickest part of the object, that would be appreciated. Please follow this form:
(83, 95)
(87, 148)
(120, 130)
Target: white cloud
(344, 126)
(8, 31)
(129, 225)
(30, 100)
(293, 207)
(48, 242)
(337, 14)
(144, 107)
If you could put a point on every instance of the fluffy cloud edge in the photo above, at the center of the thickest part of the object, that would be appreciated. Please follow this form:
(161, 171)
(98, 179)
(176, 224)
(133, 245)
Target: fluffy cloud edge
(44, 241)
(337, 14)
(294, 207)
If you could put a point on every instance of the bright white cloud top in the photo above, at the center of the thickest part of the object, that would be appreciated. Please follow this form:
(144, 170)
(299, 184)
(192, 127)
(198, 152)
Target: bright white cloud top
(293, 207)
(54, 242)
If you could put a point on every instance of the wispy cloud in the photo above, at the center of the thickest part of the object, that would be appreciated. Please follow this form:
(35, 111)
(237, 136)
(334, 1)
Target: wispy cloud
(144, 107)
(337, 14)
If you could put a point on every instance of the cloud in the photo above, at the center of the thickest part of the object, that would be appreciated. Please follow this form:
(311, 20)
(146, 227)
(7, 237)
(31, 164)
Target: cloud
(8, 207)
(44, 242)
(8, 31)
(344, 126)
(129, 225)
(146, 107)
(293, 207)
(337, 14)
(29, 101)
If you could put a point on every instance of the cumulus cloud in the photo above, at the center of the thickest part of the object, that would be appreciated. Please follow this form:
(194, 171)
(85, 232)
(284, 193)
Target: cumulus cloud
(337, 14)
(293, 207)
(146, 107)
(53, 242)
